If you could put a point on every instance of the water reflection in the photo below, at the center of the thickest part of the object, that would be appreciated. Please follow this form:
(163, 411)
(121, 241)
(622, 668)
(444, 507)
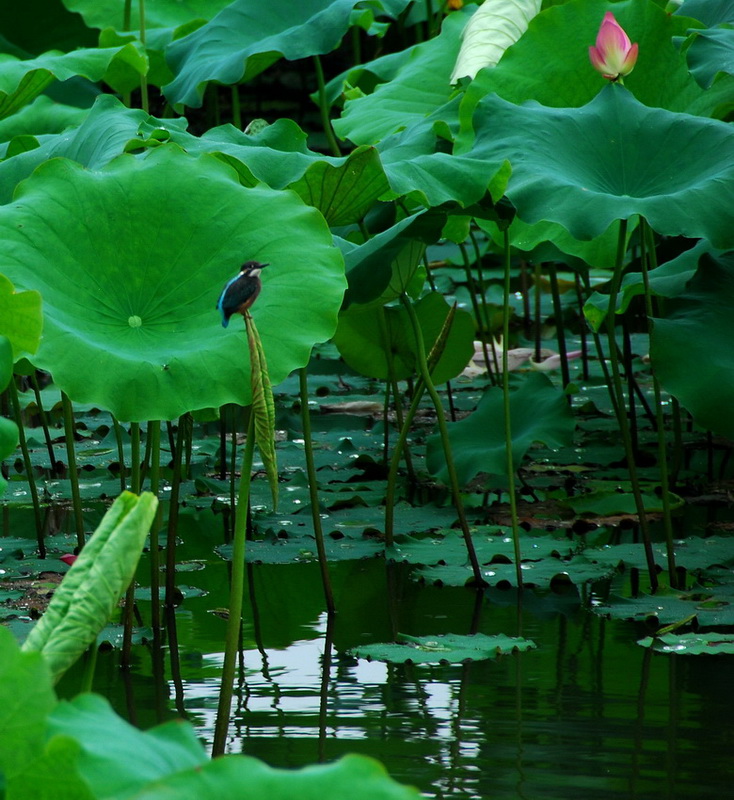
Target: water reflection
(587, 713)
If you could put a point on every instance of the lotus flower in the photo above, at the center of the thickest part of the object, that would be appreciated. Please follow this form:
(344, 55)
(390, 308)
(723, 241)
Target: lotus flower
(614, 55)
(68, 558)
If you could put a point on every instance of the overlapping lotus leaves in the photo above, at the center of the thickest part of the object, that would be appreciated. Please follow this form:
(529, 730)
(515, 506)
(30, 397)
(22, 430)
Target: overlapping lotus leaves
(22, 81)
(709, 12)
(711, 53)
(379, 342)
(612, 159)
(245, 38)
(158, 13)
(686, 345)
(560, 35)
(420, 86)
(144, 247)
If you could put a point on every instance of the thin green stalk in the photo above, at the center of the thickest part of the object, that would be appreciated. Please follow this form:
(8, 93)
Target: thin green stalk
(584, 342)
(507, 414)
(400, 417)
(629, 374)
(482, 324)
(443, 431)
(128, 620)
(173, 517)
(154, 434)
(236, 595)
(313, 489)
(76, 497)
(44, 420)
(618, 390)
(560, 332)
(395, 461)
(28, 466)
(537, 297)
(324, 108)
(649, 261)
(120, 453)
(143, 78)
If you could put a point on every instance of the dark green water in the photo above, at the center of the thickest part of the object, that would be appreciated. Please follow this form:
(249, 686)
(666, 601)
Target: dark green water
(588, 714)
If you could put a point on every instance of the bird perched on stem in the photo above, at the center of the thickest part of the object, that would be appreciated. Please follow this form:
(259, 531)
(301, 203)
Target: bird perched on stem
(240, 292)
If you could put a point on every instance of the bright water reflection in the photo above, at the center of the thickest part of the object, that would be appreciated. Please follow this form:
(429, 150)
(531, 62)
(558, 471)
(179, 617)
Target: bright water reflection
(589, 713)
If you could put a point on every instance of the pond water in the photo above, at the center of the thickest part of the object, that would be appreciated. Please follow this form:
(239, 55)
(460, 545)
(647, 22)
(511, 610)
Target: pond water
(587, 713)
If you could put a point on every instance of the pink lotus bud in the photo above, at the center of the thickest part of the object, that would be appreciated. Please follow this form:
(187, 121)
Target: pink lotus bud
(68, 558)
(614, 55)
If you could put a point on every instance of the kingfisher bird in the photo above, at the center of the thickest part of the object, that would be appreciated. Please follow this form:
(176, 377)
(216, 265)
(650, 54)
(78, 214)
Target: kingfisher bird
(240, 292)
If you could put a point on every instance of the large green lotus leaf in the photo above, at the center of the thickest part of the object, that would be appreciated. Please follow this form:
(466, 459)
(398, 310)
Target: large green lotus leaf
(420, 86)
(344, 193)
(101, 136)
(539, 413)
(6, 363)
(585, 168)
(711, 52)
(245, 38)
(450, 648)
(84, 601)
(137, 759)
(23, 81)
(26, 698)
(691, 644)
(599, 252)
(691, 554)
(560, 36)
(709, 12)
(688, 346)
(43, 115)
(21, 320)
(667, 280)
(145, 247)
(378, 262)
(416, 164)
(158, 13)
(52, 773)
(365, 336)
(237, 777)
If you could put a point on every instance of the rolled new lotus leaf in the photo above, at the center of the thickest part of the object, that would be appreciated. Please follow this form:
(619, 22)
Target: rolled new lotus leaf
(83, 603)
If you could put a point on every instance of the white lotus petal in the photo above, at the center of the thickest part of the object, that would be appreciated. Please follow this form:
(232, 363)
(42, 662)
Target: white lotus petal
(495, 26)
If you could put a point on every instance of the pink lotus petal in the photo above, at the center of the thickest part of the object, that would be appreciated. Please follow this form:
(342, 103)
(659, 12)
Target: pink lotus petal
(68, 558)
(614, 55)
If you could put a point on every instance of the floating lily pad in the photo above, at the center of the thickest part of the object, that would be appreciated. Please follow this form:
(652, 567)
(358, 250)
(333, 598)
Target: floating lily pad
(691, 644)
(546, 573)
(691, 554)
(711, 607)
(447, 649)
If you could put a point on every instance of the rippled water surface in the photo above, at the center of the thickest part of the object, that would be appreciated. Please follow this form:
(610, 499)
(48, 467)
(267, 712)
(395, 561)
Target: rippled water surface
(589, 713)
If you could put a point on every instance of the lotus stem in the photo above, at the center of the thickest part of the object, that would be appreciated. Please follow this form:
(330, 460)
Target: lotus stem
(616, 387)
(236, 594)
(127, 633)
(143, 78)
(313, 490)
(120, 453)
(73, 474)
(324, 108)
(443, 431)
(154, 433)
(537, 275)
(560, 333)
(482, 326)
(173, 517)
(649, 261)
(506, 413)
(583, 331)
(28, 466)
(44, 420)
